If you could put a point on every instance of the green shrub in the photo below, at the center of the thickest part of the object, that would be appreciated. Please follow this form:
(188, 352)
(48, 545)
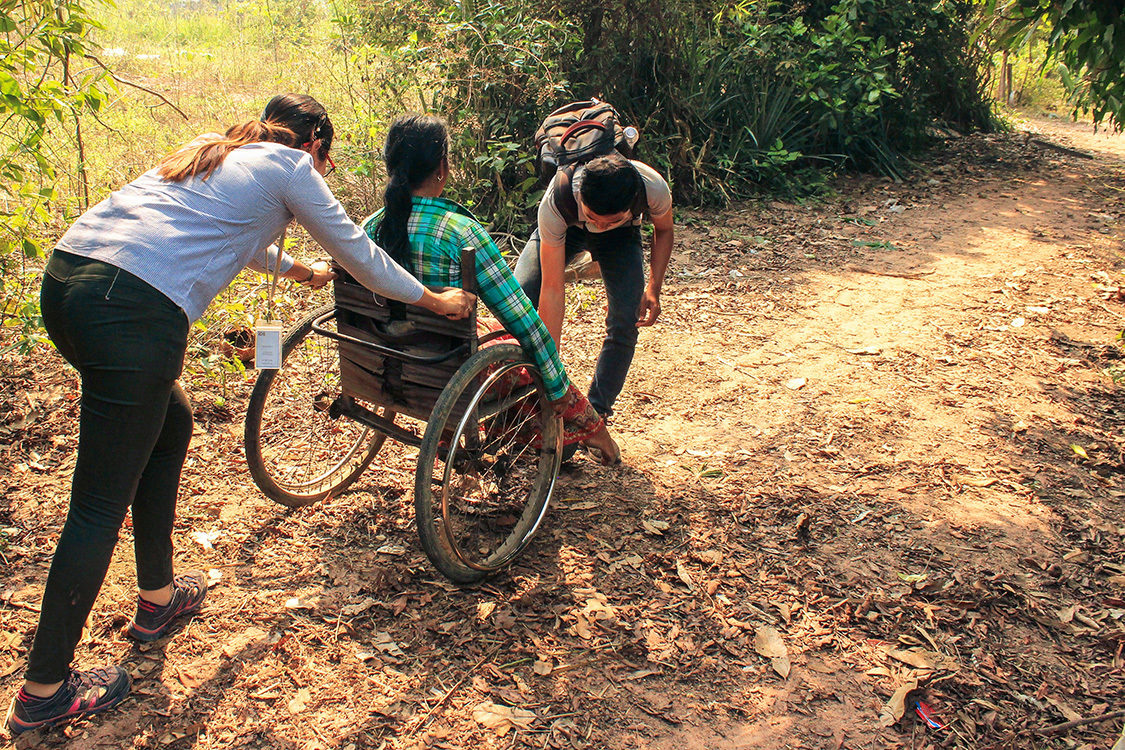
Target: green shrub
(730, 98)
(41, 50)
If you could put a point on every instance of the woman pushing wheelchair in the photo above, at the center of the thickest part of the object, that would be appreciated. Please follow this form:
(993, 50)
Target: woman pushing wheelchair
(119, 294)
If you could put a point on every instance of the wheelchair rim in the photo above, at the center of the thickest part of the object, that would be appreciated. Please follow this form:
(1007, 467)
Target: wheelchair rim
(526, 538)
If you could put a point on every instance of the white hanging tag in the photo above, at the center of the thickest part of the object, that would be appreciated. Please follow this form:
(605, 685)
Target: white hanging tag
(267, 345)
(267, 333)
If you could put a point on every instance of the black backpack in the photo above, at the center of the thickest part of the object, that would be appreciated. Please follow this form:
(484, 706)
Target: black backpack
(574, 134)
(577, 133)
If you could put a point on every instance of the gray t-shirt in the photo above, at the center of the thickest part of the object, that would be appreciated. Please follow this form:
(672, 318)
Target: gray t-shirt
(552, 224)
(189, 239)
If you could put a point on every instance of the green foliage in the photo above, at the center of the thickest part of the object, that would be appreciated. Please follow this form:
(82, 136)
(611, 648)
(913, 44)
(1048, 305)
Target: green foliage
(1085, 37)
(260, 26)
(491, 68)
(728, 97)
(40, 44)
(1033, 83)
(500, 67)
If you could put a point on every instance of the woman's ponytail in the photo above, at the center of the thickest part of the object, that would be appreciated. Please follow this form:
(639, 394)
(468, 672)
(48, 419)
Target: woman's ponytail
(289, 119)
(416, 146)
(392, 234)
(204, 157)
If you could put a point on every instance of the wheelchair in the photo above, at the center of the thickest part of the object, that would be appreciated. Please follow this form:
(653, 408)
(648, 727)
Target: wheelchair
(363, 370)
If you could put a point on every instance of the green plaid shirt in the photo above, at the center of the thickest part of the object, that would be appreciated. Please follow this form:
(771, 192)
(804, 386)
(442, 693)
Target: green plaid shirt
(439, 229)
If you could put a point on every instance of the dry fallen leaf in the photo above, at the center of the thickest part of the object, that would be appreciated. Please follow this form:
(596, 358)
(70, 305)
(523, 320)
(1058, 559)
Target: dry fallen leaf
(1069, 713)
(192, 677)
(239, 641)
(923, 659)
(768, 643)
(206, 538)
(712, 556)
(500, 719)
(351, 610)
(684, 576)
(896, 705)
(387, 645)
(297, 705)
(485, 610)
(178, 734)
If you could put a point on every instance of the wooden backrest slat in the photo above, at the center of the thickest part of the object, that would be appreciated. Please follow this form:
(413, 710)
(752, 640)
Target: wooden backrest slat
(407, 387)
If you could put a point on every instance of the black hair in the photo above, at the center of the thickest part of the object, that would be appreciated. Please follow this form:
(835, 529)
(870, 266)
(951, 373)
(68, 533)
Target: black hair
(416, 146)
(610, 184)
(304, 116)
(290, 119)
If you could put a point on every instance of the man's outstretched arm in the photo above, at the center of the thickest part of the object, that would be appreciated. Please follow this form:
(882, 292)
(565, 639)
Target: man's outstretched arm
(662, 238)
(552, 294)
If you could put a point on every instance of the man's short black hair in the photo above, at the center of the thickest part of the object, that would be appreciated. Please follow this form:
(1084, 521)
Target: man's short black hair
(609, 185)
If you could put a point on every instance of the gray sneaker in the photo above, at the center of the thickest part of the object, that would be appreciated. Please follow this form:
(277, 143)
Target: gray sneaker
(82, 693)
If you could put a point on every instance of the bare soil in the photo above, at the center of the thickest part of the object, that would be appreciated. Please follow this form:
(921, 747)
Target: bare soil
(874, 443)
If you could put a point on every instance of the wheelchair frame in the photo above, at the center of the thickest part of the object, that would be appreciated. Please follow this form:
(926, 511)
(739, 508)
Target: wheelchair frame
(401, 360)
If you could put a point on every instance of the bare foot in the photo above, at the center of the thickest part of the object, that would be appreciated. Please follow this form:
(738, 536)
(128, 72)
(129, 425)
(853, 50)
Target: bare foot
(603, 444)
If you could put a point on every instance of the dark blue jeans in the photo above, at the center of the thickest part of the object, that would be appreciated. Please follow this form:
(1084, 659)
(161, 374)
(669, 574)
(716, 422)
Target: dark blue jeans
(621, 258)
(127, 341)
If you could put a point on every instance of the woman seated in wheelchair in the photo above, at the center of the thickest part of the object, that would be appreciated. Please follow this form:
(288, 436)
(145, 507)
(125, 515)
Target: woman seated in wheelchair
(425, 233)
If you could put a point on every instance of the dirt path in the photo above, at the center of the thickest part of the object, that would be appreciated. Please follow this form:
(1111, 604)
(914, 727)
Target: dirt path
(884, 426)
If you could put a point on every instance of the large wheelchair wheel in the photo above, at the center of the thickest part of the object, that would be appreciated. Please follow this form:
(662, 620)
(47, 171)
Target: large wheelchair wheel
(297, 453)
(487, 465)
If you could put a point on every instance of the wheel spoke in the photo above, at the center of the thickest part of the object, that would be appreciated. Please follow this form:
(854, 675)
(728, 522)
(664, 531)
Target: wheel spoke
(495, 475)
(299, 452)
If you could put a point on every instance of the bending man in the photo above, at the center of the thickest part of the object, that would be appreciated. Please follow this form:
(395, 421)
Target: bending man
(598, 206)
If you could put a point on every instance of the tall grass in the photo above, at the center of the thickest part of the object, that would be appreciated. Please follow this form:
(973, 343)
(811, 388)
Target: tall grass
(216, 65)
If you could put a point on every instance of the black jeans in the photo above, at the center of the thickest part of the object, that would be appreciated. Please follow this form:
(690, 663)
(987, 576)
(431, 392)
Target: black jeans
(127, 341)
(619, 254)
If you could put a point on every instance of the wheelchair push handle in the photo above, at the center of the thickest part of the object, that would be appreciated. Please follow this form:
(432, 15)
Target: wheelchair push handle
(469, 270)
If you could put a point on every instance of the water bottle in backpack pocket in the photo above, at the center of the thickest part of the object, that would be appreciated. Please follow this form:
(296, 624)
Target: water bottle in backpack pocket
(578, 132)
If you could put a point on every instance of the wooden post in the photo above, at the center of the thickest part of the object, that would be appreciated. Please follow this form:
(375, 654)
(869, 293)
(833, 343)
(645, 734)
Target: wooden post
(469, 284)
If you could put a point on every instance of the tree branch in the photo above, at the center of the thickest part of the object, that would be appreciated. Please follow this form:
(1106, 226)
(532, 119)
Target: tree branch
(119, 79)
(1057, 728)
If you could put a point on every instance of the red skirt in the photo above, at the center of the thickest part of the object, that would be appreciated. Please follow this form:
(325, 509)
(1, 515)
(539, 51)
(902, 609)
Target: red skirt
(580, 420)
